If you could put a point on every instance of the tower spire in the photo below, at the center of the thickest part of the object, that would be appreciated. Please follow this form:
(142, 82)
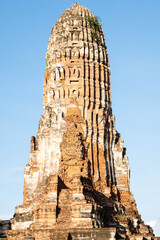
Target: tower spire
(76, 183)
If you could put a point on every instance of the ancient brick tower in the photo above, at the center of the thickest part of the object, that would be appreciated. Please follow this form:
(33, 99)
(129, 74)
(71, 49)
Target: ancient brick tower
(76, 184)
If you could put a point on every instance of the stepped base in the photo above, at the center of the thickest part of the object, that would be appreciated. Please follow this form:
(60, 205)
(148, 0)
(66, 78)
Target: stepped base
(71, 234)
(97, 234)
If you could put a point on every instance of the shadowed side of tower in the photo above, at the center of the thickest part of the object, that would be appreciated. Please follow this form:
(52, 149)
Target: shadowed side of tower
(76, 183)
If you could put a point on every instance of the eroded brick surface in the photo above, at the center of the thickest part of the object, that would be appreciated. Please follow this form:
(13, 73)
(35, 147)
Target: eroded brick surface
(76, 183)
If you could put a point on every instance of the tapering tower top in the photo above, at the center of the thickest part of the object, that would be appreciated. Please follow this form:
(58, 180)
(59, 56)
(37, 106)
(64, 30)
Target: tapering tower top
(77, 34)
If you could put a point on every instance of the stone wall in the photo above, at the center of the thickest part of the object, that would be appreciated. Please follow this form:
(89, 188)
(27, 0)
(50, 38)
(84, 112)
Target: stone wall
(4, 226)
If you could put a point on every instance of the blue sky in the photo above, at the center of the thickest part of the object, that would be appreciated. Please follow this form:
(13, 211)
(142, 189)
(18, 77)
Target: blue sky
(132, 32)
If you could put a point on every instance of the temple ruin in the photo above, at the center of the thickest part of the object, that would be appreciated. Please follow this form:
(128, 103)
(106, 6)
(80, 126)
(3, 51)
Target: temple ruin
(77, 180)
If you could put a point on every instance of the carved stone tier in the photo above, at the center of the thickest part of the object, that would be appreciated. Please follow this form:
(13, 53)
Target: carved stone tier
(76, 183)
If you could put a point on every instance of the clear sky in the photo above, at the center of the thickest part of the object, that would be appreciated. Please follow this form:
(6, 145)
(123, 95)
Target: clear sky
(132, 32)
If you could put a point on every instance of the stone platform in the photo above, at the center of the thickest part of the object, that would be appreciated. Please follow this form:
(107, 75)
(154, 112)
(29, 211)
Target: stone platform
(69, 234)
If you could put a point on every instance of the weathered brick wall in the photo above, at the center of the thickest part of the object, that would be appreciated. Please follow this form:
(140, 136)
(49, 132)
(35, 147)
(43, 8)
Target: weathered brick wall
(77, 176)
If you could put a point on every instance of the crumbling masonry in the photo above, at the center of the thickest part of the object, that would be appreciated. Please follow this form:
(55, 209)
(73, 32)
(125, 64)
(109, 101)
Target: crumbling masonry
(76, 183)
